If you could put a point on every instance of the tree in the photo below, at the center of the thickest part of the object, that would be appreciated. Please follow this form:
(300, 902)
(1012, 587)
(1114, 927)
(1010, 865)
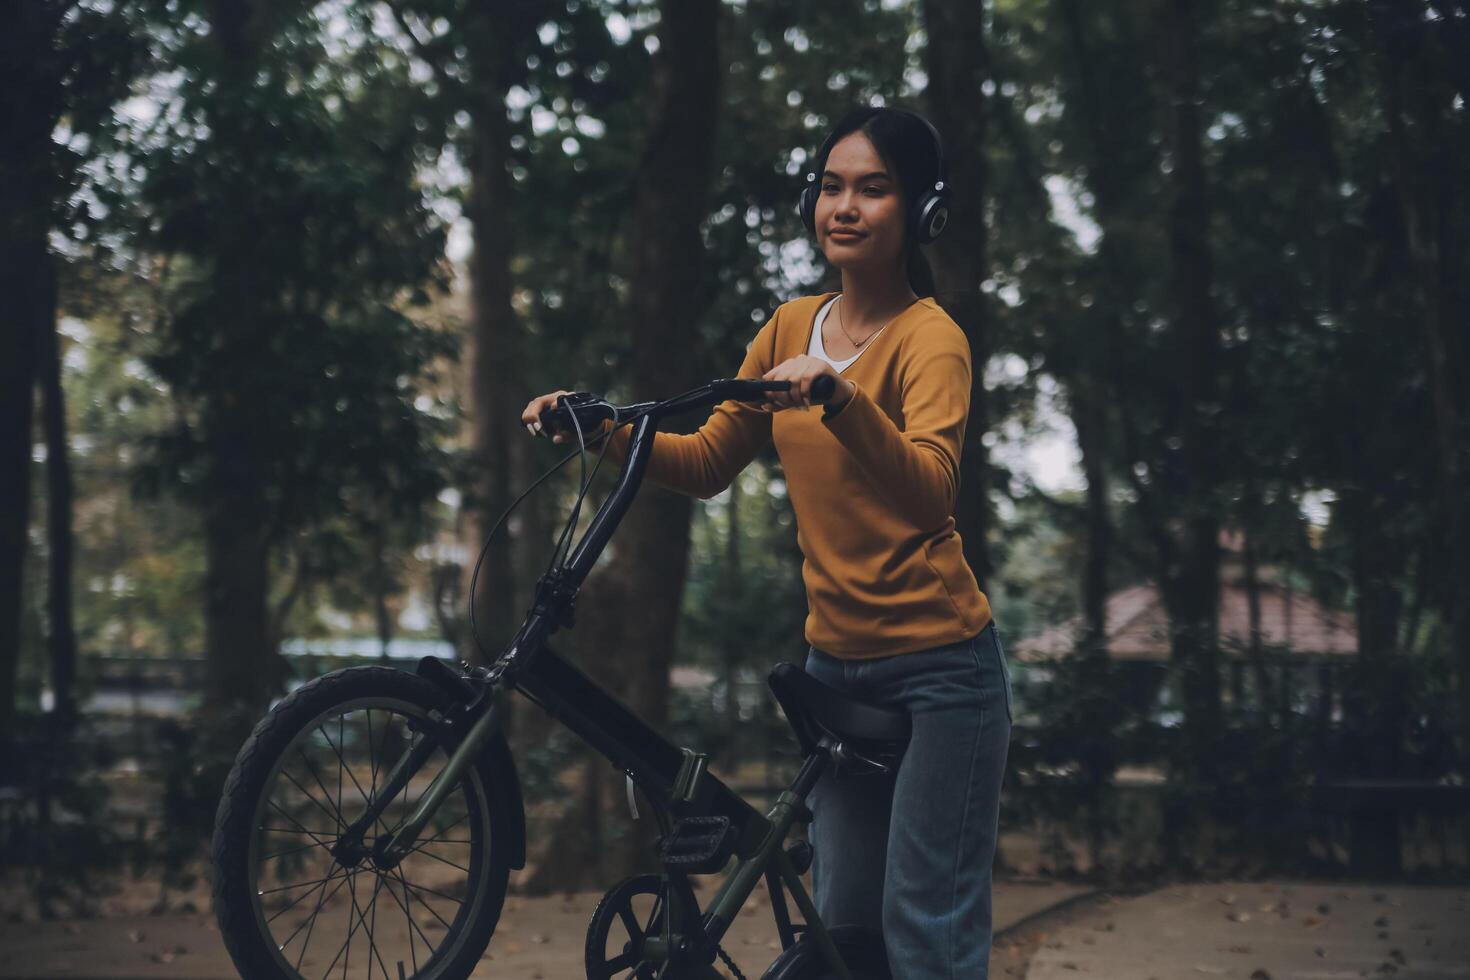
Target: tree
(284, 200)
(60, 61)
(958, 69)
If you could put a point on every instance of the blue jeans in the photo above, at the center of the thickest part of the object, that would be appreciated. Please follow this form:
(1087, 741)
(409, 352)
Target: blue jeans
(909, 852)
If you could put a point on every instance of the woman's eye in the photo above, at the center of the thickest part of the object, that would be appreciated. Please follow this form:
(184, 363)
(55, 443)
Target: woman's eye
(829, 188)
(873, 190)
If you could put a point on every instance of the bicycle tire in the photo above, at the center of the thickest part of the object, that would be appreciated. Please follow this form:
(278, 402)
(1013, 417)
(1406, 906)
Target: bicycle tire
(239, 902)
(861, 949)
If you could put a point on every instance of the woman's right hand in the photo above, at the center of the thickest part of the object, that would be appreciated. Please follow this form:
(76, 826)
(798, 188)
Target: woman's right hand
(531, 417)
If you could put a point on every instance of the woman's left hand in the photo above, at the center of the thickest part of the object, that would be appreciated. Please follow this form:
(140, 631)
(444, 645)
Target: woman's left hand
(801, 371)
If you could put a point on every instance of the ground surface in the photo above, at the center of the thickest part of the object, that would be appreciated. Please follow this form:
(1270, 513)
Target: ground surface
(537, 939)
(1264, 931)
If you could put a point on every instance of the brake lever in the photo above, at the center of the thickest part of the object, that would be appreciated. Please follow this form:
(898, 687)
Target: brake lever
(559, 419)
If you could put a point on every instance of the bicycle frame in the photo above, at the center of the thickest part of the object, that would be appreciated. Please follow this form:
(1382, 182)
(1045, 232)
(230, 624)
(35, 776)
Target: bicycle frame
(658, 767)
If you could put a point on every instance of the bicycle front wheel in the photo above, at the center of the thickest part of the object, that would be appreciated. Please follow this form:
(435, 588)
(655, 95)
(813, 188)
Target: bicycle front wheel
(294, 903)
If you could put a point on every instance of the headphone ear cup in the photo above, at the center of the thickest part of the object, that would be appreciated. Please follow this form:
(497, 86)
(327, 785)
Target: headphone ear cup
(806, 206)
(930, 216)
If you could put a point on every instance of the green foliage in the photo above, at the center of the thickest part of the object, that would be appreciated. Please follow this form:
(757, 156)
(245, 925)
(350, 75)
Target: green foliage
(54, 824)
(255, 267)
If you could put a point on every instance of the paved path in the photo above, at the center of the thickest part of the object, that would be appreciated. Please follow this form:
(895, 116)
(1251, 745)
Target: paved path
(537, 939)
(1267, 931)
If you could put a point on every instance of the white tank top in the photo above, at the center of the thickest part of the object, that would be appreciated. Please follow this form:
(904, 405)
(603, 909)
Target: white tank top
(818, 349)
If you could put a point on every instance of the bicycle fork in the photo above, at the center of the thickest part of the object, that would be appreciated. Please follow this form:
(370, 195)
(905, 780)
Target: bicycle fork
(392, 848)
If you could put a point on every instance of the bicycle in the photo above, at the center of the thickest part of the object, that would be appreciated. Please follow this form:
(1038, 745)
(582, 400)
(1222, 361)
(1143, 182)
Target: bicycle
(427, 807)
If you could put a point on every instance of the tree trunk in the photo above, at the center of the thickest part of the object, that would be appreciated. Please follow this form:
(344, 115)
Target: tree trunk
(632, 605)
(62, 641)
(27, 264)
(1088, 417)
(1431, 180)
(957, 65)
(1192, 472)
(495, 388)
(240, 671)
(30, 104)
(242, 665)
(1255, 649)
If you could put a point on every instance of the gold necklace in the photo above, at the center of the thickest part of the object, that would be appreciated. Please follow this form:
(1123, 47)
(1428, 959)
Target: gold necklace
(870, 336)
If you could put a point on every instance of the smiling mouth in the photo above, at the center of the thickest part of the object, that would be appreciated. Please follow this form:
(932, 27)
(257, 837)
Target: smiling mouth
(845, 234)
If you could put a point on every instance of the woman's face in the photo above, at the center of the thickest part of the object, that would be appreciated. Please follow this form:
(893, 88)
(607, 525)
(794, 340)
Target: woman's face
(860, 207)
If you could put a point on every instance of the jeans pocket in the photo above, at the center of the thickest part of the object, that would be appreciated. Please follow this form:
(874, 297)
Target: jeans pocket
(1005, 671)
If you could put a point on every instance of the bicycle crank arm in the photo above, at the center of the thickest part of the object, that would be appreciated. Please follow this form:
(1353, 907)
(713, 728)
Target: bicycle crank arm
(391, 850)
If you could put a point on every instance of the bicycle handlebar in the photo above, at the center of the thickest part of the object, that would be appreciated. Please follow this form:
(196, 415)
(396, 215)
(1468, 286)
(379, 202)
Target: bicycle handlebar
(556, 591)
(591, 411)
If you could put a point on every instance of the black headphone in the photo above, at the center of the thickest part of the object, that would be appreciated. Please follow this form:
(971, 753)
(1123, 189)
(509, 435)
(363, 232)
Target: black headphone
(928, 213)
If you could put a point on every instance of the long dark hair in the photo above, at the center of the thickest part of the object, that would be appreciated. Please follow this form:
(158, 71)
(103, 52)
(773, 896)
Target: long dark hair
(907, 148)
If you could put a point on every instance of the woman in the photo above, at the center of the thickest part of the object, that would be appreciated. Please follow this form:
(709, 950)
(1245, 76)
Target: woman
(895, 615)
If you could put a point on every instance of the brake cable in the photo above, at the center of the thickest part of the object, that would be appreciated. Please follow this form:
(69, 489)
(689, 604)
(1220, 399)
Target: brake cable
(563, 542)
(586, 483)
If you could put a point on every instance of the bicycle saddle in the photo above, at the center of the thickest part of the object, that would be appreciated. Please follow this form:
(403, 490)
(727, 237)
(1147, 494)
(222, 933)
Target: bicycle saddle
(815, 708)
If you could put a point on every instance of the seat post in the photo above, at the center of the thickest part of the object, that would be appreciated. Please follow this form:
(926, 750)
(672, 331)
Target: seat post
(812, 767)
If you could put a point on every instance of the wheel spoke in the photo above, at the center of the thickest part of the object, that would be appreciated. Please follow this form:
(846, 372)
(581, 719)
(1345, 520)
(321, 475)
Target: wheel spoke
(300, 898)
(293, 850)
(303, 884)
(337, 804)
(372, 929)
(321, 900)
(427, 890)
(417, 888)
(408, 897)
(437, 838)
(342, 760)
(436, 857)
(336, 818)
(312, 834)
(346, 942)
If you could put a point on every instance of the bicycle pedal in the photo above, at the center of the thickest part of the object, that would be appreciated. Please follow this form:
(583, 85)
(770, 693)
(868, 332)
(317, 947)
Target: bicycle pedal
(698, 845)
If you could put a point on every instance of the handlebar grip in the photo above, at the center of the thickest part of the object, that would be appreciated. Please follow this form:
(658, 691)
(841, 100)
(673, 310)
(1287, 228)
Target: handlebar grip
(824, 388)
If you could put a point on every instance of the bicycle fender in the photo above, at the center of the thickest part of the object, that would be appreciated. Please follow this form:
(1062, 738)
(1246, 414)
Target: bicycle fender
(509, 798)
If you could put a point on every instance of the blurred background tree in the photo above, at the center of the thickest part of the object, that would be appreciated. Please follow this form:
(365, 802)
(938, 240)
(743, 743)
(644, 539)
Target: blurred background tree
(283, 275)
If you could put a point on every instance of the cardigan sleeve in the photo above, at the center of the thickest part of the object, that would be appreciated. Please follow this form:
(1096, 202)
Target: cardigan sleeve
(916, 468)
(703, 463)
